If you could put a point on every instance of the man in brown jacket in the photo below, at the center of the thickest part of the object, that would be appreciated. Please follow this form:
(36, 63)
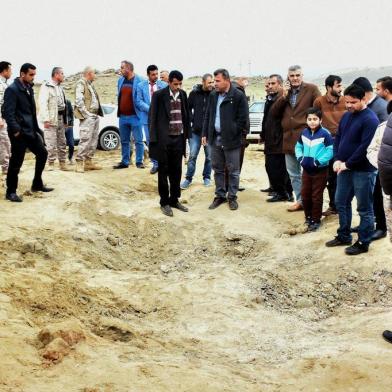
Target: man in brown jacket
(297, 97)
(332, 106)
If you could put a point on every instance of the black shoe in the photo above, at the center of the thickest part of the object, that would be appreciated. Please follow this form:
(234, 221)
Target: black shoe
(42, 188)
(356, 249)
(277, 198)
(378, 234)
(354, 229)
(233, 204)
(291, 198)
(180, 207)
(120, 166)
(266, 190)
(337, 242)
(167, 210)
(387, 335)
(314, 226)
(217, 202)
(13, 197)
(154, 170)
(140, 166)
(241, 189)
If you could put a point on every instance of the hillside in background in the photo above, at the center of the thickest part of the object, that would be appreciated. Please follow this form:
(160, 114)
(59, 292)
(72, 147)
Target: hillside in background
(348, 75)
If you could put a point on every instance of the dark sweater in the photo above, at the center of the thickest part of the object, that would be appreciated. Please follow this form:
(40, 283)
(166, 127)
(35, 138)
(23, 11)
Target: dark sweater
(354, 134)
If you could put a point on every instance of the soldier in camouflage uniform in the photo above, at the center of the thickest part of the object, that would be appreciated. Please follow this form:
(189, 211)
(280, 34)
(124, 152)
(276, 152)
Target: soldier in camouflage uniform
(87, 110)
(5, 145)
(53, 114)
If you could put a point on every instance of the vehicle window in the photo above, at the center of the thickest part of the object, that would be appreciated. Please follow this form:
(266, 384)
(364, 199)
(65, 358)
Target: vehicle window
(107, 109)
(256, 107)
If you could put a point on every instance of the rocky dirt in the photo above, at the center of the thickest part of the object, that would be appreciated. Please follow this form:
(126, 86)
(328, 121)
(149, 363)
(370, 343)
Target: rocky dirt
(99, 292)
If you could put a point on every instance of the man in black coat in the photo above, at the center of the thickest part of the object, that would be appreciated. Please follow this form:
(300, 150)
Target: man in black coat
(226, 118)
(169, 129)
(272, 136)
(20, 113)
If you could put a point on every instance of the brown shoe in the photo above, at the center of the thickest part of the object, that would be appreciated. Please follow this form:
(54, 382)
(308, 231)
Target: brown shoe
(90, 165)
(295, 207)
(79, 167)
(330, 211)
(50, 166)
(64, 167)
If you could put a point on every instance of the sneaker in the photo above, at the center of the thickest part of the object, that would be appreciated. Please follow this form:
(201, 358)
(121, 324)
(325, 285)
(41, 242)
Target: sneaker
(313, 226)
(154, 169)
(140, 165)
(233, 204)
(356, 249)
(207, 182)
(217, 202)
(337, 242)
(185, 184)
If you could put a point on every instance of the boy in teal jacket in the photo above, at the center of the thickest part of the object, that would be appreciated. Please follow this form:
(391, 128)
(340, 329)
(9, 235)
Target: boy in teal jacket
(314, 150)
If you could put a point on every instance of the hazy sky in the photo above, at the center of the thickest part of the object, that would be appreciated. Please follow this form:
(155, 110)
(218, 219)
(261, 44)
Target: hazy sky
(197, 36)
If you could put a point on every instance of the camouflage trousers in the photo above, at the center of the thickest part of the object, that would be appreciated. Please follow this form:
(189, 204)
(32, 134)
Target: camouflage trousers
(88, 141)
(5, 149)
(388, 213)
(56, 143)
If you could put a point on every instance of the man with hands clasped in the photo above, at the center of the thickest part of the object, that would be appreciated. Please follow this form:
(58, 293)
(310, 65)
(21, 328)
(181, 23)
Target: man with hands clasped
(355, 175)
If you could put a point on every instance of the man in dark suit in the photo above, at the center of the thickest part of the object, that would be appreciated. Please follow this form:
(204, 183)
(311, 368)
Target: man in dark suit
(169, 129)
(20, 113)
(226, 118)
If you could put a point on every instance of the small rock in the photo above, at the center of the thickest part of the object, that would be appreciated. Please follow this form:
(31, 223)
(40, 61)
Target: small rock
(27, 247)
(114, 241)
(165, 268)
(56, 350)
(70, 331)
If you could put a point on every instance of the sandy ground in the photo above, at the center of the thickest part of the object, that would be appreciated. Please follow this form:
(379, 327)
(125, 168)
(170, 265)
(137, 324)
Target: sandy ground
(205, 301)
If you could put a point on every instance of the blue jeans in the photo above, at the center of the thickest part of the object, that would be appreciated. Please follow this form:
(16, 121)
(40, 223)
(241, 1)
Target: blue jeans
(128, 125)
(361, 185)
(147, 135)
(194, 147)
(294, 169)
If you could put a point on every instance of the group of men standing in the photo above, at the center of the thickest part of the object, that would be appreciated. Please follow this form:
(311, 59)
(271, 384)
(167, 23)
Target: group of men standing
(352, 120)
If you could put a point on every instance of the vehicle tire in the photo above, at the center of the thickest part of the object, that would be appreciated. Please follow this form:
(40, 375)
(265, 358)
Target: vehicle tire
(109, 140)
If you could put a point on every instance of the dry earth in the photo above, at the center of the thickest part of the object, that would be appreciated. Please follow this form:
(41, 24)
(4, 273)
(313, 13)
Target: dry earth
(99, 292)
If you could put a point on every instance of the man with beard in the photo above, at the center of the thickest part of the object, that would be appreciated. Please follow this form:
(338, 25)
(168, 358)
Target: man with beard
(384, 88)
(332, 106)
(21, 116)
(379, 106)
(198, 100)
(355, 174)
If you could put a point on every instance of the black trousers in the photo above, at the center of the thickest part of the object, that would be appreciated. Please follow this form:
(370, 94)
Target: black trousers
(378, 206)
(331, 184)
(170, 171)
(18, 150)
(275, 165)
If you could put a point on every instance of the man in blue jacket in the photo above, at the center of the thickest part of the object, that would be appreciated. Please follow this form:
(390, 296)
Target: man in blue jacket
(355, 175)
(129, 116)
(144, 92)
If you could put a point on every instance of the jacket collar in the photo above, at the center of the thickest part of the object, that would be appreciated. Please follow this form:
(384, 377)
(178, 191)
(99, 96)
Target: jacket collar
(22, 87)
